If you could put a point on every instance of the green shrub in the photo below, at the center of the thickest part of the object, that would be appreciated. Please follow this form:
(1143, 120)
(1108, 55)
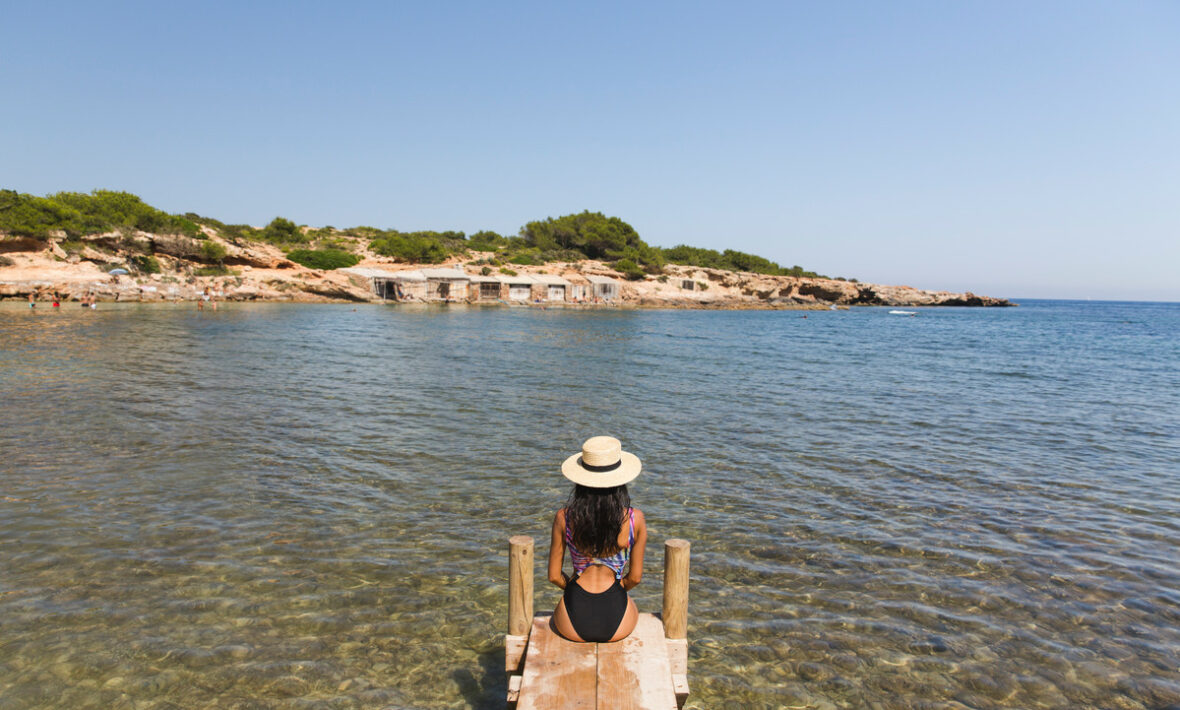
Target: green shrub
(411, 247)
(77, 213)
(146, 264)
(486, 241)
(28, 216)
(219, 270)
(323, 258)
(730, 260)
(507, 271)
(283, 231)
(72, 246)
(522, 260)
(663, 278)
(629, 269)
(338, 243)
(213, 251)
(591, 233)
(485, 270)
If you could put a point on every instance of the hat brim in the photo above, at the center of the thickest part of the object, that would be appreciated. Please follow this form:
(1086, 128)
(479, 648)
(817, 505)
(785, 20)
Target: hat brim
(629, 468)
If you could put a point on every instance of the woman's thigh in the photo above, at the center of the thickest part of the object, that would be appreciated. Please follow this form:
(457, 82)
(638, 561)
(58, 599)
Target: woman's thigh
(627, 625)
(562, 623)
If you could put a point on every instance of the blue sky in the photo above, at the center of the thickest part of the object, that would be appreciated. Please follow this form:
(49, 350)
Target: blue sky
(1008, 148)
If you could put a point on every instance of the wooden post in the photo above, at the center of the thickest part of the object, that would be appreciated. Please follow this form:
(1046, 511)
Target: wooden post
(676, 614)
(520, 585)
(676, 588)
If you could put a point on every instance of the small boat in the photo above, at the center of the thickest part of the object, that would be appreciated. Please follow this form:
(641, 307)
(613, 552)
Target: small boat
(903, 313)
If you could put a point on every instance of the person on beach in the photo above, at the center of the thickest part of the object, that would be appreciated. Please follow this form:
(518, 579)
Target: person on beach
(32, 300)
(602, 533)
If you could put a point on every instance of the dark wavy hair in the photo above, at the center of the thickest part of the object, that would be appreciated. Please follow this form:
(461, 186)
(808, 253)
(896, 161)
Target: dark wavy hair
(595, 516)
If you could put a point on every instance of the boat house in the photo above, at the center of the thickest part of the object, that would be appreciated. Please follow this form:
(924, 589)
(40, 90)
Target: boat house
(578, 289)
(379, 281)
(552, 288)
(604, 287)
(519, 287)
(446, 284)
(391, 285)
(483, 288)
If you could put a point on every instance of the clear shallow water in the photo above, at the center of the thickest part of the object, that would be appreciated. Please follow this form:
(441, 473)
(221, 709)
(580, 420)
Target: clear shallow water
(283, 506)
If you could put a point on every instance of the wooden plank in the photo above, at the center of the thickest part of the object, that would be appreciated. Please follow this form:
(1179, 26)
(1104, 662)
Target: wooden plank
(677, 655)
(680, 687)
(678, 660)
(557, 673)
(634, 674)
(513, 691)
(514, 649)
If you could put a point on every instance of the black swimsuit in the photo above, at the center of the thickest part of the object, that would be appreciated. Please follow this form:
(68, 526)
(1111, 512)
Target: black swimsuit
(595, 616)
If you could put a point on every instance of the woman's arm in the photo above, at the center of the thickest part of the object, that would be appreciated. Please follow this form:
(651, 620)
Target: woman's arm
(557, 550)
(635, 572)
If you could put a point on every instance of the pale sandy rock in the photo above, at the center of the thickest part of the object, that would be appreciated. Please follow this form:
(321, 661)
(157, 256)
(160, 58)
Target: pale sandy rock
(260, 256)
(243, 293)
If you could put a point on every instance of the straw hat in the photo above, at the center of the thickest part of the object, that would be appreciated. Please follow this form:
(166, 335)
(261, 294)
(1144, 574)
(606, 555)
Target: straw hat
(602, 464)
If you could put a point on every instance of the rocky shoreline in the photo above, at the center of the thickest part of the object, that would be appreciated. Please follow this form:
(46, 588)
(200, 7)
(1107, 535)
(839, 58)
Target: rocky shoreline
(260, 272)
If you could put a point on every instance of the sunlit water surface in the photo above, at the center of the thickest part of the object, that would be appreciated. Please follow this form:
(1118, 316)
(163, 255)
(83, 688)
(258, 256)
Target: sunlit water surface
(284, 506)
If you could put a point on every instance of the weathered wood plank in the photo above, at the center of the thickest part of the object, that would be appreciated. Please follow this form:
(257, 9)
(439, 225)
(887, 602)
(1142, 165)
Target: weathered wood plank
(678, 655)
(514, 648)
(557, 673)
(678, 660)
(680, 687)
(634, 674)
(513, 691)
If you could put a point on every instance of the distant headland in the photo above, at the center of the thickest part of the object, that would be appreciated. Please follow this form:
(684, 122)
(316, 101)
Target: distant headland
(113, 246)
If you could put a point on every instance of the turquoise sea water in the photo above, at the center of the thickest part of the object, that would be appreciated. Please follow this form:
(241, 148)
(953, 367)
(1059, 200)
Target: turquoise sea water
(289, 506)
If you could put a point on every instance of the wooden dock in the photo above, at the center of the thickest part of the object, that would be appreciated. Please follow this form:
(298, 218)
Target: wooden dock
(648, 670)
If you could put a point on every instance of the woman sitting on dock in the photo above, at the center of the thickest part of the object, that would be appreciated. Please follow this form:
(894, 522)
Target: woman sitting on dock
(602, 532)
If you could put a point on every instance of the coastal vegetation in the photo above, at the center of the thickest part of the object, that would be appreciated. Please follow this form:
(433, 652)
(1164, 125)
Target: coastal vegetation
(77, 214)
(323, 258)
(68, 216)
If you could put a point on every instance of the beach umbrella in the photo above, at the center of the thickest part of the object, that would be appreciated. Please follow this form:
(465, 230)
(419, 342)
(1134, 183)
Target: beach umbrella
(118, 272)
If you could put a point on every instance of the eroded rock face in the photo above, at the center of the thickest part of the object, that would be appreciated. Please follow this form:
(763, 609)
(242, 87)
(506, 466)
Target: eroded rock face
(822, 291)
(257, 256)
(336, 291)
(177, 246)
(11, 244)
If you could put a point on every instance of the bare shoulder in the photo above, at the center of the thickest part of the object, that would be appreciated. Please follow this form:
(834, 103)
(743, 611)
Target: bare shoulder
(639, 519)
(559, 518)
